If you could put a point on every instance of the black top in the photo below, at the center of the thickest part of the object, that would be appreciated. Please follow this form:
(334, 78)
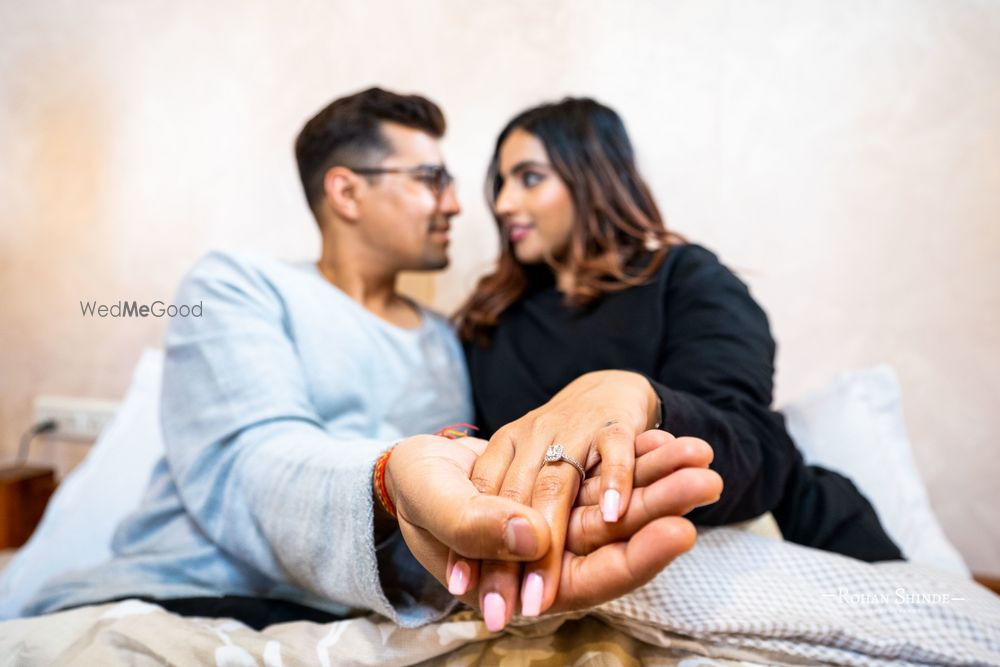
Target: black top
(704, 343)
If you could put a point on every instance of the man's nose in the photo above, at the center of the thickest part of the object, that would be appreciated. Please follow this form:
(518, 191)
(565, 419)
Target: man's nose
(448, 204)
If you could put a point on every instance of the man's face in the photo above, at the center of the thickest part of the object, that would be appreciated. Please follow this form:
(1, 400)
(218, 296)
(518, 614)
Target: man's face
(401, 217)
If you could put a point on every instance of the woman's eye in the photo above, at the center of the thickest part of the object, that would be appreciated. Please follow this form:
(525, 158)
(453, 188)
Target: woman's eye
(530, 178)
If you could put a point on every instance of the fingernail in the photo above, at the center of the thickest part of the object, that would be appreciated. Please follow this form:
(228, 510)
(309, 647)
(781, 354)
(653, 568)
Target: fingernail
(610, 505)
(531, 595)
(519, 537)
(458, 582)
(709, 502)
(494, 612)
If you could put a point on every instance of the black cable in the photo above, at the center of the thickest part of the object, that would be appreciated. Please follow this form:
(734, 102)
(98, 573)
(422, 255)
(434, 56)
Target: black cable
(37, 429)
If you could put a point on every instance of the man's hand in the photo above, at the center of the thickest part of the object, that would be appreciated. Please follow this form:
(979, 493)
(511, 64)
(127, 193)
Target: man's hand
(438, 508)
(600, 560)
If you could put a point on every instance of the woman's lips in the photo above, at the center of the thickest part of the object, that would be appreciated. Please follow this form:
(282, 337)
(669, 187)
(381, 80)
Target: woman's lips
(518, 232)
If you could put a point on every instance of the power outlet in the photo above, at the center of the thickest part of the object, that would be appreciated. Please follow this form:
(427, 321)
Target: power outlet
(76, 418)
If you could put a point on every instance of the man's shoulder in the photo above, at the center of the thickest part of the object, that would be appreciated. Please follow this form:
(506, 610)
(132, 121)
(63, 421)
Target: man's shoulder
(234, 264)
(240, 276)
(243, 269)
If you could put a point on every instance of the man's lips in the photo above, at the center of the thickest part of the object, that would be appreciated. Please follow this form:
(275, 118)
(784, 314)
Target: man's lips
(440, 233)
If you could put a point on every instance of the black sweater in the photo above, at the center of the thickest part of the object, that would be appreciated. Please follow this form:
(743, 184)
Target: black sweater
(704, 343)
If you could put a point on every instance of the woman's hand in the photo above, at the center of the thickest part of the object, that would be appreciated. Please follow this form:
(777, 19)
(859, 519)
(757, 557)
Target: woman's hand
(595, 418)
(605, 560)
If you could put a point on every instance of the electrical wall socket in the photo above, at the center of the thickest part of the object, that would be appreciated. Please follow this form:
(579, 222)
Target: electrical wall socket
(76, 418)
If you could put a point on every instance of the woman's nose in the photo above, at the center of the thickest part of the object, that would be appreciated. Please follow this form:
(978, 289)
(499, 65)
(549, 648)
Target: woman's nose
(505, 201)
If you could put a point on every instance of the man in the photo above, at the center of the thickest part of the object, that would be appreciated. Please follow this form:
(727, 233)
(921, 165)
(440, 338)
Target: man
(280, 398)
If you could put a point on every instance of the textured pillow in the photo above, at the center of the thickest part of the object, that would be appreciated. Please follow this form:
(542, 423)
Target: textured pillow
(855, 426)
(82, 515)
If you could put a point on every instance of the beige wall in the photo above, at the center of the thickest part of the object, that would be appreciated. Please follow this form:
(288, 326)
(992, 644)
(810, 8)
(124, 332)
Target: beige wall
(845, 156)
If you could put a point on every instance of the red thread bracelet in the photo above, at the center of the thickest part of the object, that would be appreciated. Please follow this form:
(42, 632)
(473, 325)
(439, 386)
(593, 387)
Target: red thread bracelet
(381, 492)
(452, 431)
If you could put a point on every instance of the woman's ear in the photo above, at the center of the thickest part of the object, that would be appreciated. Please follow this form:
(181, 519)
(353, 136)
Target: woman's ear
(341, 188)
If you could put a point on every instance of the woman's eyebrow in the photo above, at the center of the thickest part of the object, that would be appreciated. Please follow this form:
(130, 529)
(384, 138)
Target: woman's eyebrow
(525, 164)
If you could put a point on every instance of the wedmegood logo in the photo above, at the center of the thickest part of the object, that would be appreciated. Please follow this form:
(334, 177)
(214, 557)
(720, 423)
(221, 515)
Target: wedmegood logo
(134, 309)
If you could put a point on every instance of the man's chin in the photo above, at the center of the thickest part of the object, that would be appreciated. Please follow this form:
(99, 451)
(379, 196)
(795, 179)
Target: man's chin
(440, 264)
(432, 264)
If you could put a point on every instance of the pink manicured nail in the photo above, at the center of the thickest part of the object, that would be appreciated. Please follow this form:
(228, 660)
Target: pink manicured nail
(494, 612)
(458, 583)
(610, 505)
(531, 595)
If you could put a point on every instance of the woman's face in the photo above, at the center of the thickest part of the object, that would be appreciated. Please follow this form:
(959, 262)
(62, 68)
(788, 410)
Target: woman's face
(534, 204)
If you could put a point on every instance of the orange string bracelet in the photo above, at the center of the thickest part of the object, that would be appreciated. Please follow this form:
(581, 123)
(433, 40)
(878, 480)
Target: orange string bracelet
(380, 490)
(452, 431)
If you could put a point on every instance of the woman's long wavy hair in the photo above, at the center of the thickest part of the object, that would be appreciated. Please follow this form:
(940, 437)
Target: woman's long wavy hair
(616, 221)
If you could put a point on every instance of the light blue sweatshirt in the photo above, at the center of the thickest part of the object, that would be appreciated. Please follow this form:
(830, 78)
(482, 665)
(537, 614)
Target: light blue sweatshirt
(276, 403)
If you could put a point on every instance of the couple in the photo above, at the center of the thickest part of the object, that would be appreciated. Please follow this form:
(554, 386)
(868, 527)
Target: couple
(300, 480)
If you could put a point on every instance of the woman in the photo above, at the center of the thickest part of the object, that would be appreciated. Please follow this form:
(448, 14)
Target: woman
(591, 283)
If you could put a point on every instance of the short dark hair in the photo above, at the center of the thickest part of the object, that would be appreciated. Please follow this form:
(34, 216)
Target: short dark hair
(348, 131)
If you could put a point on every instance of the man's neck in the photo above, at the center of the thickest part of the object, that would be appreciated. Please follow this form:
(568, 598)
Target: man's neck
(374, 289)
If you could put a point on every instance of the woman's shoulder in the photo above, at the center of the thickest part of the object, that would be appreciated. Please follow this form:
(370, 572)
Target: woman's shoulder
(697, 278)
(690, 262)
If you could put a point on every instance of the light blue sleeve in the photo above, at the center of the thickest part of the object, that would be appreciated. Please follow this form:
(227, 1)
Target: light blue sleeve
(253, 464)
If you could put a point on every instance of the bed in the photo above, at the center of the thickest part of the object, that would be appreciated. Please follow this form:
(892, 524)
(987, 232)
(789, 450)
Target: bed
(739, 597)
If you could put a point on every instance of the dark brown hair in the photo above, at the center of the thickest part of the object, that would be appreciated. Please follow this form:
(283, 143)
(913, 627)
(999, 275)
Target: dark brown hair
(348, 132)
(617, 223)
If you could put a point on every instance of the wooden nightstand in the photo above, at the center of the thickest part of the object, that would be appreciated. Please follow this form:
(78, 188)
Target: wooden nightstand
(990, 582)
(24, 493)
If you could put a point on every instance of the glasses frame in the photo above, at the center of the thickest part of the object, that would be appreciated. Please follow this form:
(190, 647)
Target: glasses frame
(442, 178)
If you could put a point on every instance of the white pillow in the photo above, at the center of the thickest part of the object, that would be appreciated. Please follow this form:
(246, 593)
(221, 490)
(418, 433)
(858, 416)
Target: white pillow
(82, 515)
(855, 426)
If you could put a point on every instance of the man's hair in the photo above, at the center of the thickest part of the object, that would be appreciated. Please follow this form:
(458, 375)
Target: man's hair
(348, 132)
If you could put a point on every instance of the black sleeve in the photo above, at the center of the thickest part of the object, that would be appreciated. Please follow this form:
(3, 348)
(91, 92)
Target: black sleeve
(715, 382)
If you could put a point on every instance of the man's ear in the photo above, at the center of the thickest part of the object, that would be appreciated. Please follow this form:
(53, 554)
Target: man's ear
(341, 188)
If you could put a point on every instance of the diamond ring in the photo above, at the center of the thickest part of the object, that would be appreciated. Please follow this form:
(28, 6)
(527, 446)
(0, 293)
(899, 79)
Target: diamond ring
(556, 454)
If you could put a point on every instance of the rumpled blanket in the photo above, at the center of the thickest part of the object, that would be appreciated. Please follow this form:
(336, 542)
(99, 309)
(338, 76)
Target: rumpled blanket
(736, 598)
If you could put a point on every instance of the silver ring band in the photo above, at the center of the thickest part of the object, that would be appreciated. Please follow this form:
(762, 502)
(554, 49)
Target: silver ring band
(556, 454)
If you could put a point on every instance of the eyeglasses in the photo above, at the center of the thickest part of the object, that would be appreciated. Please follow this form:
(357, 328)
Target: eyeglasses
(436, 177)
